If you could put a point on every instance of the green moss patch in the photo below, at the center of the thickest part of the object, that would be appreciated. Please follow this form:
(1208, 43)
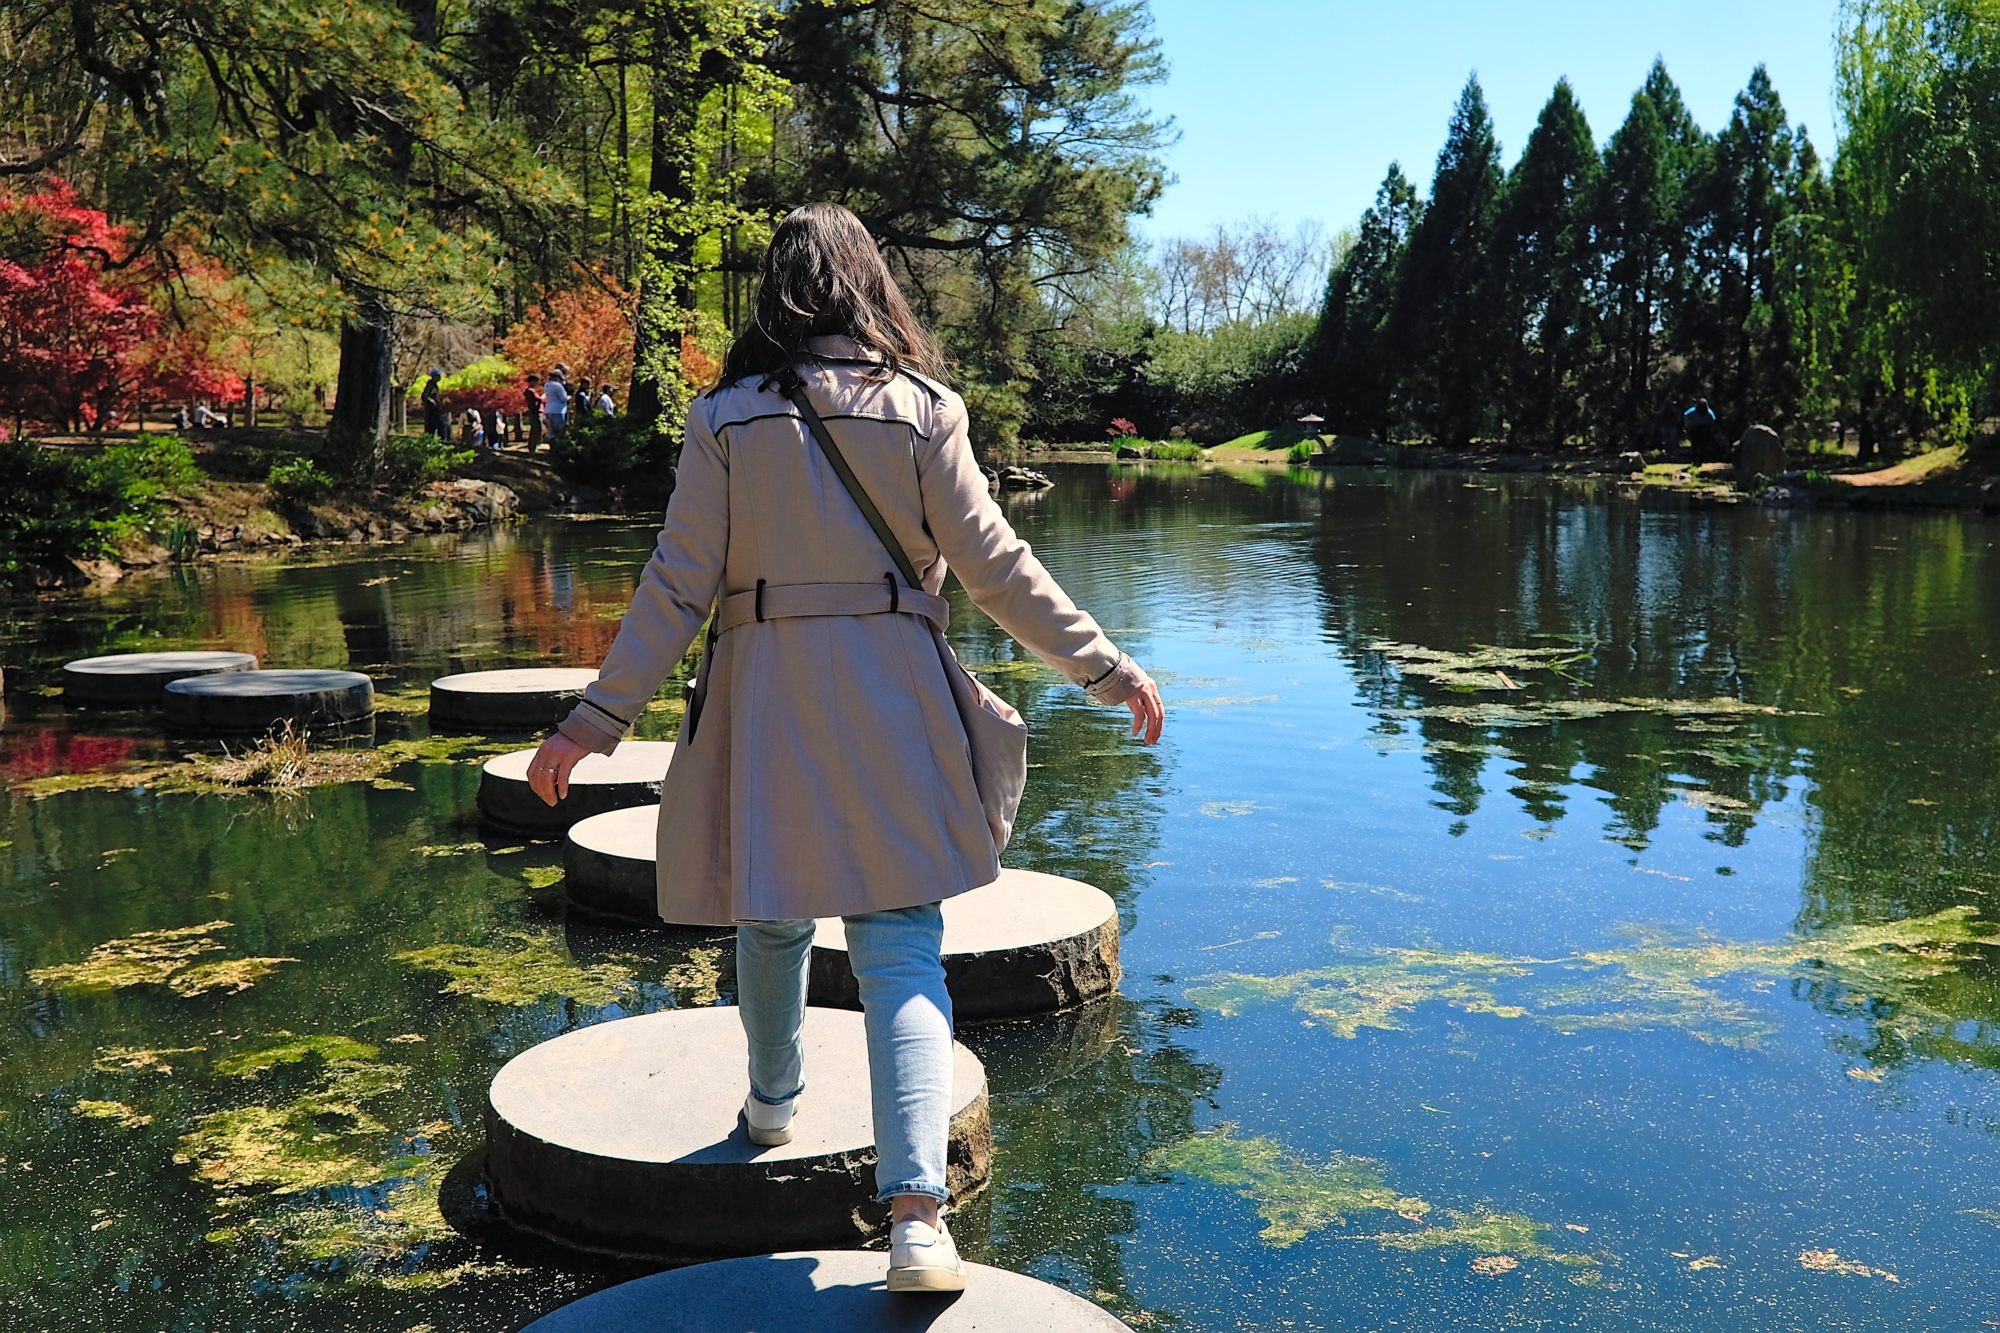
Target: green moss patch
(316, 1141)
(1487, 1232)
(1484, 667)
(136, 1059)
(528, 970)
(695, 981)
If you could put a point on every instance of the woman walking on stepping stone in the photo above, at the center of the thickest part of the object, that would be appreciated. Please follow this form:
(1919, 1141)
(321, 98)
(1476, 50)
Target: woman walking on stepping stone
(828, 772)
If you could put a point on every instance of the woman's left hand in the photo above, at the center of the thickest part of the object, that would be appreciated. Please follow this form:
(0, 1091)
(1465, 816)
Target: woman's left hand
(548, 771)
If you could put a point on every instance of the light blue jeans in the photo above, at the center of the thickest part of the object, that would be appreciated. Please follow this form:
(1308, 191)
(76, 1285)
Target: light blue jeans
(907, 1016)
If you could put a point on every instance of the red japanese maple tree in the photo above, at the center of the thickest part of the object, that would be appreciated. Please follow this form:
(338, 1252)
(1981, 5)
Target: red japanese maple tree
(588, 328)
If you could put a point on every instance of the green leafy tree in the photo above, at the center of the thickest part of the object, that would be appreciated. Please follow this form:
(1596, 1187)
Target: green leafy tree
(993, 147)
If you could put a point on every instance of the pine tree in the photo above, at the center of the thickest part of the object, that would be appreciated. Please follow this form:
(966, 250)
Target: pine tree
(1634, 233)
(1542, 249)
(1443, 328)
(1350, 355)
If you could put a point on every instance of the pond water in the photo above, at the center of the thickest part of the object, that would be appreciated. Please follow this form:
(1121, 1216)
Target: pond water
(1545, 910)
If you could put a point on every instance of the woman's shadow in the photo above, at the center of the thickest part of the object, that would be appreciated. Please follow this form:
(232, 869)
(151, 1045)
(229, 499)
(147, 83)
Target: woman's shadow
(779, 1293)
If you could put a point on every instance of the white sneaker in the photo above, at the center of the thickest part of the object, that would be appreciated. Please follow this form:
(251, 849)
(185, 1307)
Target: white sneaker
(768, 1125)
(924, 1258)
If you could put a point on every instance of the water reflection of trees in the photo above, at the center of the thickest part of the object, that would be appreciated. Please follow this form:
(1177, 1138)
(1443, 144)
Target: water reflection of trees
(1876, 636)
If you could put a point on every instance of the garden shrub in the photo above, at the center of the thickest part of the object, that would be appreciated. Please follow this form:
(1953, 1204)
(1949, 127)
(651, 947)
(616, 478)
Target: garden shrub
(297, 479)
(410, 461)
(610, 451)
(57, 505)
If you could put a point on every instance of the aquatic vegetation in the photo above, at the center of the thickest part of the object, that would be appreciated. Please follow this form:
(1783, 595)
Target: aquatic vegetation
(1485, 667)
(451, 849)
(231, 975)
(116, 1112)
(695, 980)
(1227, 809)
(330, 1047)
(316, 1141)
(135, 1059)
(1294, 1197)
(530, 970)
(1659, 981)
(150, 957)
(542, 877)
(1826, 1261)
(1487, 1232)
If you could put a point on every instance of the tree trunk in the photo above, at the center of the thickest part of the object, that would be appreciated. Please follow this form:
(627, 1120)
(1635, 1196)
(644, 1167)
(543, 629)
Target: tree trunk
(360, 422)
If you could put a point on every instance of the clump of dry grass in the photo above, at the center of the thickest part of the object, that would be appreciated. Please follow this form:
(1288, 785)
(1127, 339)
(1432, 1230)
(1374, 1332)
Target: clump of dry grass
(285, 761)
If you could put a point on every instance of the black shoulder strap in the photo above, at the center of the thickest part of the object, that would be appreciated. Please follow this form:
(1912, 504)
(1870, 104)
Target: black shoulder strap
(794, 388)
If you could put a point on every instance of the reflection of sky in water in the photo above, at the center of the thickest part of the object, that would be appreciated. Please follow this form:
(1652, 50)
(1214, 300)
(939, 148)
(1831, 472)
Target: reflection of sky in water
(1317, 806)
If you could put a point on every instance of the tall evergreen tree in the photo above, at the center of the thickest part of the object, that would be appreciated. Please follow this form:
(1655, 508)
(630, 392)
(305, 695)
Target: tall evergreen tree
(1443, 328)
(1350, 356)
(1542, 250)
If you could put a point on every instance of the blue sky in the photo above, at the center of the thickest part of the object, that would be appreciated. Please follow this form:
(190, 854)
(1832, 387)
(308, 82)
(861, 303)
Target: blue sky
(1293, 109)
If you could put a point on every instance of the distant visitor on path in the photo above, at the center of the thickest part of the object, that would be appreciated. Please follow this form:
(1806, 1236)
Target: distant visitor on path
(475, 433)
(531, 411)
(832, 763)
(605, 407)
(580, 401)
(555, 403)
(1699, 424)
(433, 399)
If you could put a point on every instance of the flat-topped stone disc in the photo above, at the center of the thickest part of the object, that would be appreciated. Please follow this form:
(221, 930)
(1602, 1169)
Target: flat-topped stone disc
(520, 699)
(253, 701)
(140, 678)
(823, 1291)
(626, 1138)
(611, 863)
(628, 776)
(1028, 943)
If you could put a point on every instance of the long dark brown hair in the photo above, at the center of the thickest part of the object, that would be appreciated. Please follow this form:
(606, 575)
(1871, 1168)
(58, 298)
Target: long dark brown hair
(823, 275)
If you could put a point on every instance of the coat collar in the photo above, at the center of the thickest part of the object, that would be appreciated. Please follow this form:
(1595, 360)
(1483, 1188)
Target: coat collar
(840, 347)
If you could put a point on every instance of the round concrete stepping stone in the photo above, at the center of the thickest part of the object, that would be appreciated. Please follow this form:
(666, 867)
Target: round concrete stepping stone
(626, 1138)
(522, 699)
(823, 1291)
(254, 701)
(611, 863)
(627, 777)
(141, 678)
(1028, 943)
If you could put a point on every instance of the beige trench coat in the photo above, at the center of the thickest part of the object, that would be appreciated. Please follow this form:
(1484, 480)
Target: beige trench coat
(829, 773)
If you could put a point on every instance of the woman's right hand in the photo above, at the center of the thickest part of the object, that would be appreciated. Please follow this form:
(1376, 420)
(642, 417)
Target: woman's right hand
(1149, 715)
(548, 771)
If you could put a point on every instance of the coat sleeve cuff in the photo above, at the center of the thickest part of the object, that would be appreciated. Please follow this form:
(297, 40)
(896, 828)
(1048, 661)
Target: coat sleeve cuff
(1118, 686)
(590, 729)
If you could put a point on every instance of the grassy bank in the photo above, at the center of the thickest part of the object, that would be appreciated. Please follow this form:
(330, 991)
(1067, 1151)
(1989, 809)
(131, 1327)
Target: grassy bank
(87, 509)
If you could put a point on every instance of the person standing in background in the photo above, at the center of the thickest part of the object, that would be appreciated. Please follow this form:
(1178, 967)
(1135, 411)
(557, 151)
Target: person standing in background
(434, 423)
(581, 400)
(531, 411)
(605, 407)
(475, 433)
(555, 403)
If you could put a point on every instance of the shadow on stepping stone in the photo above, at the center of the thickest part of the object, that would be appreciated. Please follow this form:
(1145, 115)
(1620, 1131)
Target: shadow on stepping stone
(249, 702)
(625, 1139)
(824, 1291)
(599, 784)
(518, 699)
(1028, 943)
(140, 679)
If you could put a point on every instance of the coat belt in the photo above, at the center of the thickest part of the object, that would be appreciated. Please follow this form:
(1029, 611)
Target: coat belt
(780, 601)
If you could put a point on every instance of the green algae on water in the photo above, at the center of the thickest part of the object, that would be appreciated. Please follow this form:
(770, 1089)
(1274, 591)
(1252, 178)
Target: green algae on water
(315, 1141)
(1659, 981)
(1485, 1231)
(695, 981)
(136, 1059)
(1294, 1197)
(531, 969)
(117, 1112)
(150, 957)
(229, 975)
(330, 1047)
